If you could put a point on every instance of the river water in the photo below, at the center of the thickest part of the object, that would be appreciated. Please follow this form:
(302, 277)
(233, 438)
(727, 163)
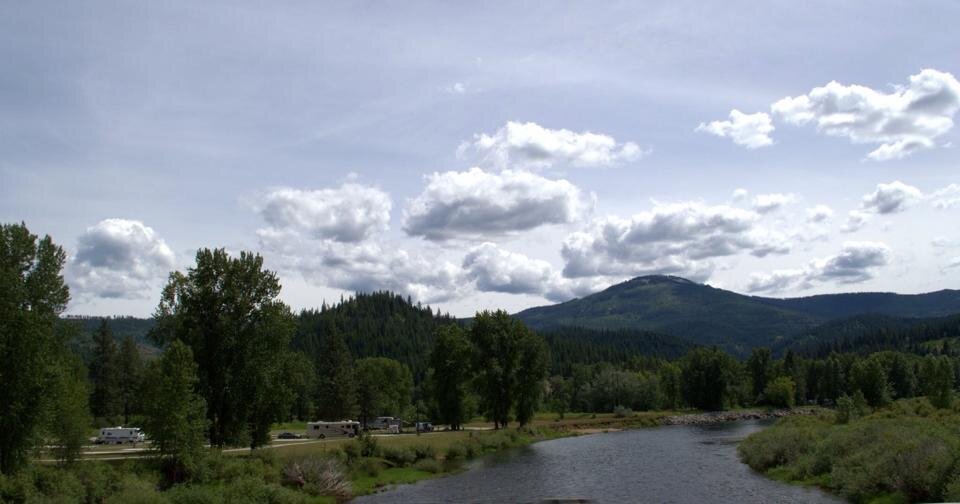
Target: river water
(681, 464)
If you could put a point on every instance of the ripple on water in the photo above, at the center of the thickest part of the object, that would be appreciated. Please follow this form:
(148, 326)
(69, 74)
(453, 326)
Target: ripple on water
(673, 464)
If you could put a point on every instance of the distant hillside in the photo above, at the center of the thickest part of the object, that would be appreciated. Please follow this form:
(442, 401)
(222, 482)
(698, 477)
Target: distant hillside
(710, 316)
(120, 327)
(577, 345)
(830, 306)
(868, 333)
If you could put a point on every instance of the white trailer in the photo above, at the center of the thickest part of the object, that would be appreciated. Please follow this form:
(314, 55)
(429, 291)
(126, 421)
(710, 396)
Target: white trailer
(120, 435)
(323, 430)
(384, 422)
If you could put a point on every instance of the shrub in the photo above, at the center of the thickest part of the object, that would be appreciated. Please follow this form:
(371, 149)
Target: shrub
(400, 456)
(429, 465)
(781, 392)
(622, 412)
(318, 476)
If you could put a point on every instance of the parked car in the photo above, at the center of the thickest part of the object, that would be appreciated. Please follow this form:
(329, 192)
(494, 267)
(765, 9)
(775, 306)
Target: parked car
(424, 427)
(289, 435)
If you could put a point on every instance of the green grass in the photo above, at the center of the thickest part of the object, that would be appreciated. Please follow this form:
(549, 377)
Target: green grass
(367, 484)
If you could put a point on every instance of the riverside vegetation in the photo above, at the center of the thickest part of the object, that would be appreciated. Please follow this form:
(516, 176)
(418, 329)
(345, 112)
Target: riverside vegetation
(228, 361)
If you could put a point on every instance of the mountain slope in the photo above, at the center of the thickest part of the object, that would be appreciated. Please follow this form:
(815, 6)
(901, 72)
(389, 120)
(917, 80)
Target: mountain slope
(710, 316)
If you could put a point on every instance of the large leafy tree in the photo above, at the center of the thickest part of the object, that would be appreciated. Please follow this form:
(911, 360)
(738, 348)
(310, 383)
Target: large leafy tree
(32, 296)
(760, 369)
(226, 310)
(174, 413)
(384, 387)
(105, 399)
(509, 363)
(708, 376)
(451, 374)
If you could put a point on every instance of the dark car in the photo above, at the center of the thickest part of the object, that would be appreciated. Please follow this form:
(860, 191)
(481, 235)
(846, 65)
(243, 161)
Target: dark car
(288, 435)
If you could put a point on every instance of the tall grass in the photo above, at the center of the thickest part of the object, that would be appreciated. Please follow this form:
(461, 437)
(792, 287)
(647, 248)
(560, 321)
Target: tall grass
(908, 451)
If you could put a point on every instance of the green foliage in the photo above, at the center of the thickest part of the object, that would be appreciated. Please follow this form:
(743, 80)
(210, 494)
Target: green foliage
(69, 417)
(870, 378)
(175, 416)
(131, 378)
(336, 397)
(509, 361)
(105, 374)
(32, 296)
(937, 380)
(228, 312)
(909, 450)
(760, 369)
(780, 393)
(384, 387)
(450, 361)
(850, 408)
(708, 377)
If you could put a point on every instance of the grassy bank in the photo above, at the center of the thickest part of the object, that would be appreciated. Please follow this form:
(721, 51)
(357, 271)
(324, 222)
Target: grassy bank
(907, 452)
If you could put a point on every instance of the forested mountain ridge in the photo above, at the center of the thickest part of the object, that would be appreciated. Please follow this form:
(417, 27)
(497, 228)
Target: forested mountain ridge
(710, 316)
(863, 334)
(82, 328)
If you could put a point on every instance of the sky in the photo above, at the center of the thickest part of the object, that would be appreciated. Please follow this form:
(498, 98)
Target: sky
(489, 154)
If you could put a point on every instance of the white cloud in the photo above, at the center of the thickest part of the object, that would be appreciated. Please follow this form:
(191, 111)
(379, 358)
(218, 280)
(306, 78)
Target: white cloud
(766, 203)
(946, 198)
(119, 258)
(531, 146)
(749, 130)
(677, 238)
(349, 213)
(855, 263)
(457, 88)
(904, 121)
(819, 213)
(475, 204)
(951, 264)
(891, 198)
(362, 266)
(856, 220)
(493, 269)
(739, 194)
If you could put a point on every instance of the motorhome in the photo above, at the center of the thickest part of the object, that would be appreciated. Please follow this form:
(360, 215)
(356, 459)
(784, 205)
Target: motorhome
(384, 422)
(323, 430)
(120, 435)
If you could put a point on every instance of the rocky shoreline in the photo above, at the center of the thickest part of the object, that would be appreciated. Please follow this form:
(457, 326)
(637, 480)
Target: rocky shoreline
(715, 417)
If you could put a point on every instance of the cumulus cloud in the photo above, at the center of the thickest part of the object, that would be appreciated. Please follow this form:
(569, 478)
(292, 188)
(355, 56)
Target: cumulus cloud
(749, 130)
(891, 198)
(819, 213)
(476, 204)
(493, 269)
(766, 203)
(362, 266)
(677, 238)
(855, 263)
(119, 258)
(904, 121)
(856, 220)
(349, 213)
(531, 146)
(946, 198)
(739, 194)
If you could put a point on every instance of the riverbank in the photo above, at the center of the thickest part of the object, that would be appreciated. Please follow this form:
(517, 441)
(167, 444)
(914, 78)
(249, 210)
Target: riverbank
(906, 452)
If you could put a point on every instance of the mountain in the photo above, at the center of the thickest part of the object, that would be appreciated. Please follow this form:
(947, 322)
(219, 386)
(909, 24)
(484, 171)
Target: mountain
(736, 322)
(577, 345)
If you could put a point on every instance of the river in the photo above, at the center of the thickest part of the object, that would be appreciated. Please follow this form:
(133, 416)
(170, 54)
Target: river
(677, 464)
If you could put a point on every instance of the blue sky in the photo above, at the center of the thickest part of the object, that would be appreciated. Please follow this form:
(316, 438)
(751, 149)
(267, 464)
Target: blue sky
(489, 155)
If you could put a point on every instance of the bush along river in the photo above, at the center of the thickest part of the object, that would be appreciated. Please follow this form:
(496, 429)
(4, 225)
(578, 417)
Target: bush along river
(688, 462)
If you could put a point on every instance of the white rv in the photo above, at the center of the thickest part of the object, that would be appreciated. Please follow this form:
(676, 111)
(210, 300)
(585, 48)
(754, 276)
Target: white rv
(323, 430)
(120, 435)
(384, 422)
